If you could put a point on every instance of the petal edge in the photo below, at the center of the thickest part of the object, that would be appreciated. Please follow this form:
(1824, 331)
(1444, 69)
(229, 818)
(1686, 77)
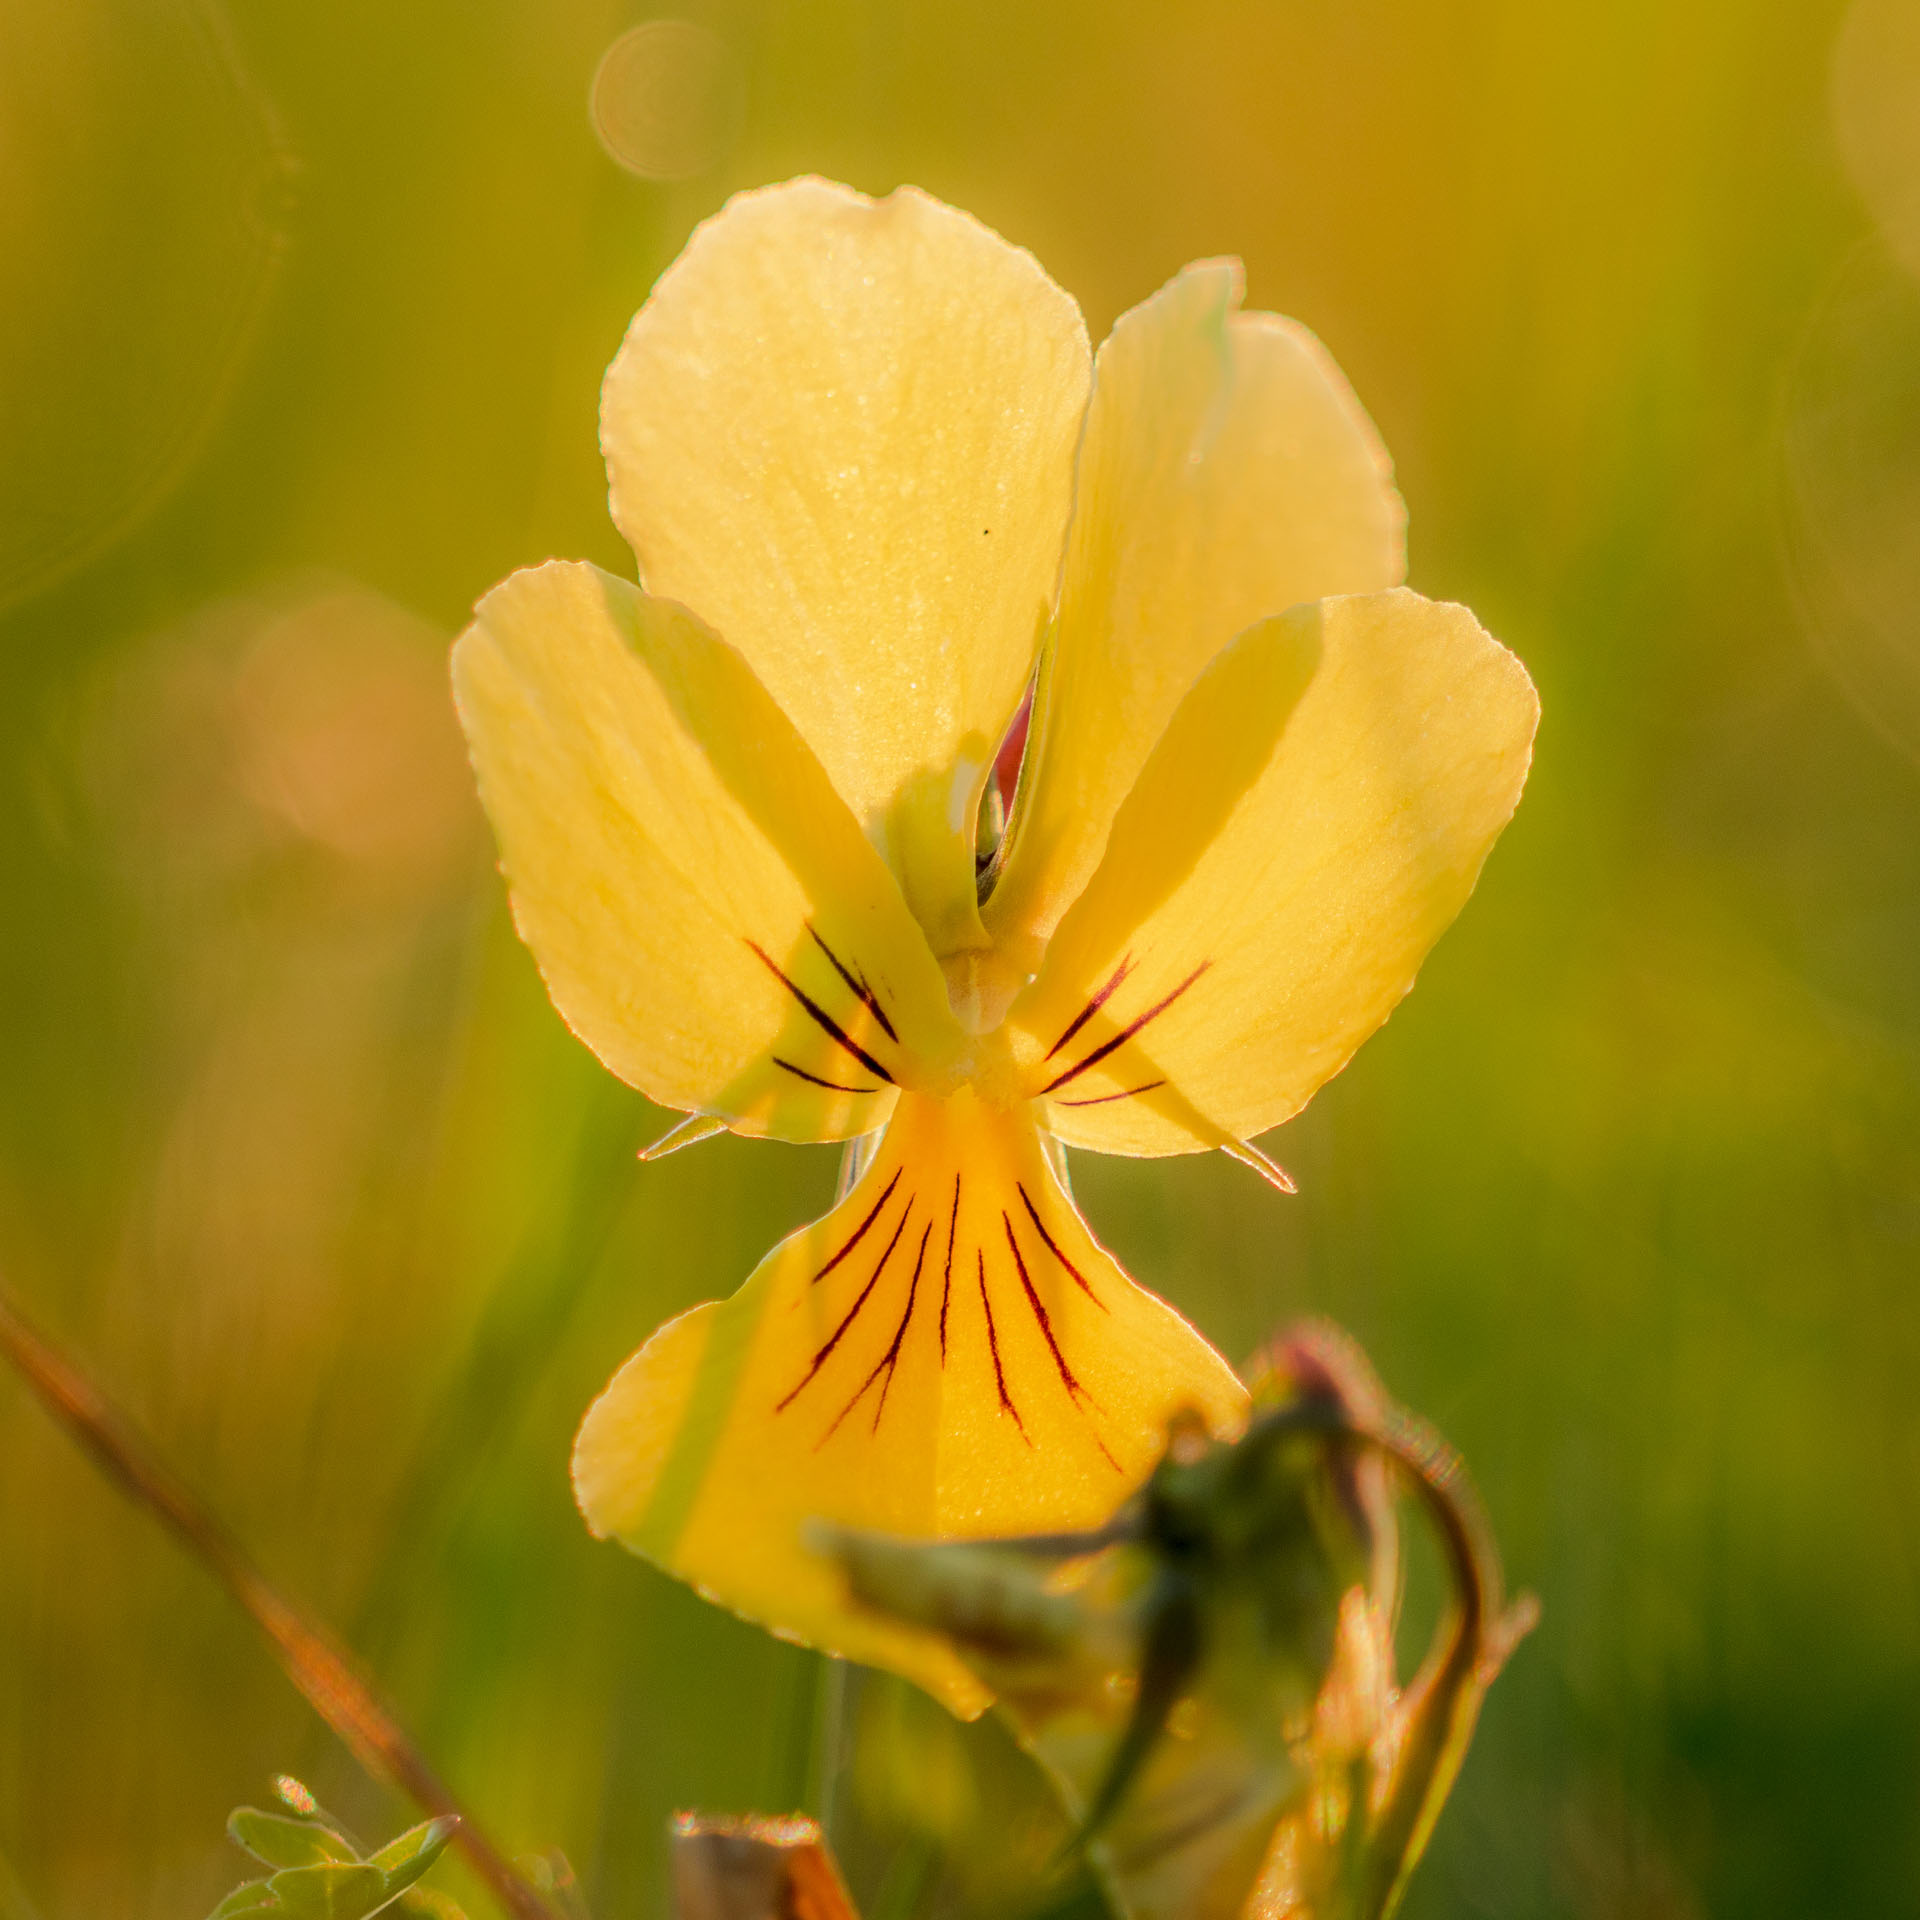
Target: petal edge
(1315, 816)
(841, 430)
(703, 908)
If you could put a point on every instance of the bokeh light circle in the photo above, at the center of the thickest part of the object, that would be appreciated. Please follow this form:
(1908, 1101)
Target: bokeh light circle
(1876, 116)
(1851, 445)
(146, 204)
(665, 99)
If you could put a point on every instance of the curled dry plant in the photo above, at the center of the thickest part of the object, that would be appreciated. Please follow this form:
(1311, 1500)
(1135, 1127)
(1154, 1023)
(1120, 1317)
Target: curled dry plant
(1209, 1679)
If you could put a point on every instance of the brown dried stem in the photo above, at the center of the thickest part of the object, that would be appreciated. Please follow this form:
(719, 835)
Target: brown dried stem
(312, 1658)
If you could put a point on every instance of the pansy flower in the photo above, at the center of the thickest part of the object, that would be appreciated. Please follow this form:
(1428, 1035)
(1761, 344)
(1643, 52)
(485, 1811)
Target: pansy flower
(879, 490)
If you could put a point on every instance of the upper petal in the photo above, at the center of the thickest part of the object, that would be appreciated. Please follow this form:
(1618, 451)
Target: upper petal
(1227, 474)
(706, 913)
(1315, 815)
(841, 431)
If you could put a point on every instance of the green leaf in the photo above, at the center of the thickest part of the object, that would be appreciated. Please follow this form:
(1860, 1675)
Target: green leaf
(322, 1876)
(288, 1840)
(255, 1897)
(333, 1892)
(404, 1860)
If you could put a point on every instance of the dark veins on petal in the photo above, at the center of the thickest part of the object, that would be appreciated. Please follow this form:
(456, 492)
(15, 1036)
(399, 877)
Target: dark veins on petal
(881, 1373)
(1093, 1006)
(1126, 1093)
(820, 1017)
(856, 984)
(840, 1086)
(859, 1233)
(853, 1312)
(1053, 1247)
(1075, 1391)
(946, 1278)
(891, 1358)
(1121, 1038)
(993, 1347)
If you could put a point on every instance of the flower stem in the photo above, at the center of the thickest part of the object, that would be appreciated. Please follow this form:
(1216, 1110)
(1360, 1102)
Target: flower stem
(829, 1740)
(313, 1660)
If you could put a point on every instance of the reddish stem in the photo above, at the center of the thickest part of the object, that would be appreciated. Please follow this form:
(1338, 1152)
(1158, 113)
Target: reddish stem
(313, 1659)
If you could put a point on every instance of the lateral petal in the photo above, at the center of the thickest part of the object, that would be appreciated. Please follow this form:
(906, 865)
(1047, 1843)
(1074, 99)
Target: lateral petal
(841, 430)
(948, 1352)
(1227, 474)
(1315, 816)
(706, 913)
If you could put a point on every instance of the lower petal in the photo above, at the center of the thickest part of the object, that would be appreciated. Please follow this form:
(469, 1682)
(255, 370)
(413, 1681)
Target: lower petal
(949, 1352)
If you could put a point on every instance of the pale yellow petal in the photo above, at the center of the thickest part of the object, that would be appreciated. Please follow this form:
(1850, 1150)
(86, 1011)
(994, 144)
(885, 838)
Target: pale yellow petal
(949, 1352)
(1228, 473)
(842, 431)
(706, 913)
(1315, 816)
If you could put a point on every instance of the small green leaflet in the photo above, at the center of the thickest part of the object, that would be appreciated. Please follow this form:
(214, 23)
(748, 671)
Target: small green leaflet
(321, 1874)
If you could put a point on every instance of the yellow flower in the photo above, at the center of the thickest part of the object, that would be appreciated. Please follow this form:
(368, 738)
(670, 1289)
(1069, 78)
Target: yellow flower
(870, 469)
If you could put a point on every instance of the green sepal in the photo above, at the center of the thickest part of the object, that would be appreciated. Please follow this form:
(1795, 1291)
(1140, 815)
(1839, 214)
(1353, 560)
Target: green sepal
(332, 1892)
(404, 1860)
(255, 1897)
(288, 1839)
(322, 1876)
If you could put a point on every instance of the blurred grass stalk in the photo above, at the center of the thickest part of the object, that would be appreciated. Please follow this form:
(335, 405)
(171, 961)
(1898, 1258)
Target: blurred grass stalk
(317, 1664)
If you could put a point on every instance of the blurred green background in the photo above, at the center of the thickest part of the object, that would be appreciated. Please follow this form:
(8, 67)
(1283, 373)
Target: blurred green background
(305, 316)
